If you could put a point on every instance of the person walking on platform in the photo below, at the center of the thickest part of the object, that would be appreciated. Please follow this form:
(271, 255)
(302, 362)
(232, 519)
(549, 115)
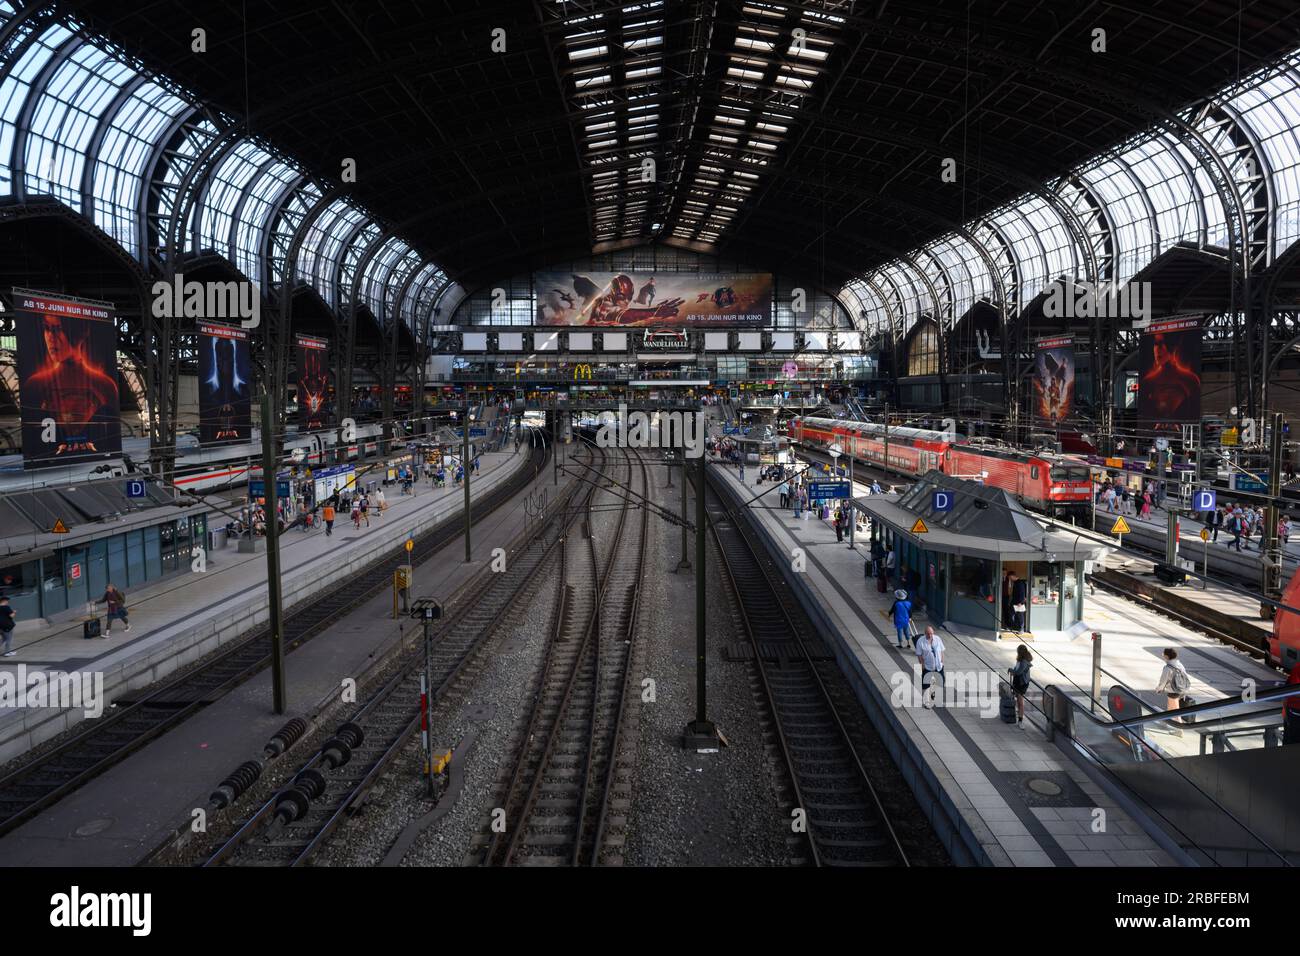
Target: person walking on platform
(356, 513)
(1235, 524)
(929, 651)
(7, 626)
(839, 524)
(901, 612)
(1019, 676)
(784, 492)
(364, 503)
(116, 602)
(1216, 522)
(1146, 505)
(328, 514)
(1174, 682)
(381, 503)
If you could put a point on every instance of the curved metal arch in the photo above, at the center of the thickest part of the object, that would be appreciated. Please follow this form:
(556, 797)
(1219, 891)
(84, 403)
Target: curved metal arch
(1073, 227)
(149, 176)
(192, 187)
(23, 121)
(40, 15)
(277, 211)
(102, 128)
(273, 204)
(364, 254)
(1264, 169)
(202, 190)
(50, 207)
(1100, 213)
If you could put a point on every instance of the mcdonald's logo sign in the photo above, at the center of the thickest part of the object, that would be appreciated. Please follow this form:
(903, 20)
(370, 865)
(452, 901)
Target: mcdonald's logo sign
(581, 371)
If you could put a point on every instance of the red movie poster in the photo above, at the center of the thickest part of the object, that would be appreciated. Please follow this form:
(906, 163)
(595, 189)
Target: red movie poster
(67, 378)
(313, 382)
(1170, 374)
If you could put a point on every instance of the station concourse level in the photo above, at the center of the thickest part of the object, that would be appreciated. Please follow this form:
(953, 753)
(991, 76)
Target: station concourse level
(647, 435)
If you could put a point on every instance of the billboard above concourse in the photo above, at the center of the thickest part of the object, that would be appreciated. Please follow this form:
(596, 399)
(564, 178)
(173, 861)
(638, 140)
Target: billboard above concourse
(67, 378)
(646, 298)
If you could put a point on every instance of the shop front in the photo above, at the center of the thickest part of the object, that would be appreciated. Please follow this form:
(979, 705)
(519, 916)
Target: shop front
(981, 561)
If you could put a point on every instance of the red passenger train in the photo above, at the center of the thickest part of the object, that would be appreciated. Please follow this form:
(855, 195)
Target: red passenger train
(1056, 485)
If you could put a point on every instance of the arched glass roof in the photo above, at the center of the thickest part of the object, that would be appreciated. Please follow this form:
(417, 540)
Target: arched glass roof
(1155, 192)
(86, 125)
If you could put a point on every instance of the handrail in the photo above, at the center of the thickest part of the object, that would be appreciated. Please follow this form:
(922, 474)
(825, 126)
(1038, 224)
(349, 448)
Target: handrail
(1274, 693)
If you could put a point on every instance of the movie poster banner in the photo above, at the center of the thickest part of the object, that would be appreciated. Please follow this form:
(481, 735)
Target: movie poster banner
(648, 298)
(1169, 368)
(225, 385)
(1054, 379)
(313, 382)
(67, 378)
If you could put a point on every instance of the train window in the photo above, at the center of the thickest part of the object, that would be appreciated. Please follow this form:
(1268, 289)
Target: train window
(1033, 472)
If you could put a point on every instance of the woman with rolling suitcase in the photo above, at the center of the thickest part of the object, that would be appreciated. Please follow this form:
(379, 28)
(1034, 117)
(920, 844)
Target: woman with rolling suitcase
(1019, 677)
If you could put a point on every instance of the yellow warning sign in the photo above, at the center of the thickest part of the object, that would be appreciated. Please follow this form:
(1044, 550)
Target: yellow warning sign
(59, 527)
(1120, 526)
(410, 545)
(919, 527)
(1205, 534)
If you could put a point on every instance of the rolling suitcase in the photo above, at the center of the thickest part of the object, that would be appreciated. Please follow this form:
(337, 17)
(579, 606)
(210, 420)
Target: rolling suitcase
(90, 628)
(1006, 703)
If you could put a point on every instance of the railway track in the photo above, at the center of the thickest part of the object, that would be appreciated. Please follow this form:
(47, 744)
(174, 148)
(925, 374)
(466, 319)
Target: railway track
(46, 779)
(559, 805)
(296, 821)
(845, 822)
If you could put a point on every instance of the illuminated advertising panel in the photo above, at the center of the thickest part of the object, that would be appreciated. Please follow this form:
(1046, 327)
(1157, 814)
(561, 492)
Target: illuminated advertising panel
(67, 378)
(647, 298)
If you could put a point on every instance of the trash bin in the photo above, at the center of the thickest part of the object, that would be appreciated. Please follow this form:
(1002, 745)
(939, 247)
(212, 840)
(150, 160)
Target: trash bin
(216, 539)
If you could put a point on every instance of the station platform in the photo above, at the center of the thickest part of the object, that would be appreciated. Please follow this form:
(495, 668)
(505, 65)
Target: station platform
(123, 815)
(182, 618)
(978, 779)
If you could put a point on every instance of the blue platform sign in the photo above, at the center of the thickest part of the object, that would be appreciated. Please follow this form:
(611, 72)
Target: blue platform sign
(257, 488)
(827, 490)
(941, 500)
(1204, 499)
(135, 489)
(1248, 483)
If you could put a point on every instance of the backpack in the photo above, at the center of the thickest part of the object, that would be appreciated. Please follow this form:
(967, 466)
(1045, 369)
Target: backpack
(1182, 683)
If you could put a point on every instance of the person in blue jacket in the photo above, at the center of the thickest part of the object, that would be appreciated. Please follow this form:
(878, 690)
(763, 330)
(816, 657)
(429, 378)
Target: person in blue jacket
(901, 611)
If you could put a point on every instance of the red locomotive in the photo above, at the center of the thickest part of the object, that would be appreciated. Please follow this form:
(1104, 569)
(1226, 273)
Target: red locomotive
(1053, 484)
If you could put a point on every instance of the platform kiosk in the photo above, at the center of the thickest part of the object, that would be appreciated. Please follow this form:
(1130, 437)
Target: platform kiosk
(957, 543)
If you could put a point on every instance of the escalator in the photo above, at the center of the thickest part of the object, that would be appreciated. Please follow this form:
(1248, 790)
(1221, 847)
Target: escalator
(1217, 778)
